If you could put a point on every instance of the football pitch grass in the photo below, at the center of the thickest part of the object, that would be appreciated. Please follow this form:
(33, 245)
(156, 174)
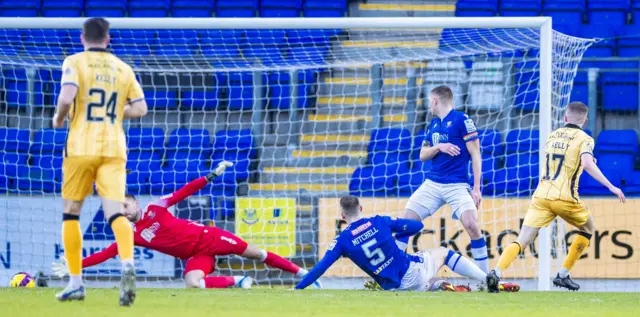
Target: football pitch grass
(281, 303)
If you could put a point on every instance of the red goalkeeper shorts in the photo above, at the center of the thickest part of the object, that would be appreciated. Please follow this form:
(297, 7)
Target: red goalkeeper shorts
(213, 241)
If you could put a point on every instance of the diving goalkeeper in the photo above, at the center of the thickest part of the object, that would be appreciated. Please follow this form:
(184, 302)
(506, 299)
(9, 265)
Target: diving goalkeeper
(157, 229)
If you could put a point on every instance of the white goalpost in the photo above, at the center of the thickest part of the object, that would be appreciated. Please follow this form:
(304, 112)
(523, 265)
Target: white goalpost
(310, 109)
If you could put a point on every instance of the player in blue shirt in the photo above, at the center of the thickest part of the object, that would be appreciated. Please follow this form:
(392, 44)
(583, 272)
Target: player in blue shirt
(451, 140)
(370, 244)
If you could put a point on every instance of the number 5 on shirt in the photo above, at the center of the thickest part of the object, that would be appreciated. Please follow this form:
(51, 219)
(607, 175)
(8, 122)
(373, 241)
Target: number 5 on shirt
(375, 256)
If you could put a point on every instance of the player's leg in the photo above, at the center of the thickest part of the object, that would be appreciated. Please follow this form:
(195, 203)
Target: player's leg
(225, 242)
(423, 203)
(271, 259)
(465, 210)
(199, 266)
(539, 215)
(457, 263)
(578, 216)
(111, 185)
(77, 182)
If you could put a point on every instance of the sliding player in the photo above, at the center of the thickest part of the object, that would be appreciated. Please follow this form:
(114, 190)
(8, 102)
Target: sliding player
(452, 139)
(98, 91)
(370, 244)
(157, 229)
(568, 151)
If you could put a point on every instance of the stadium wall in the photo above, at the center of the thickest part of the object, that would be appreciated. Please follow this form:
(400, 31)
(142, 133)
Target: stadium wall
(611, 254)
(24, 250)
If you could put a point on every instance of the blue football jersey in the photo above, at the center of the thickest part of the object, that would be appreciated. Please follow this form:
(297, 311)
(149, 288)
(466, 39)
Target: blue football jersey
(456, 128)
(370, 244)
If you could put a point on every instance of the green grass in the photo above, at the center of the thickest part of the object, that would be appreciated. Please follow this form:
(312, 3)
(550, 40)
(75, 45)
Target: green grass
(281, 303)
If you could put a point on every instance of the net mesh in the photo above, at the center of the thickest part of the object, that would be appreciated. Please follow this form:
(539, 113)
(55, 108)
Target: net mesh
(306, 116)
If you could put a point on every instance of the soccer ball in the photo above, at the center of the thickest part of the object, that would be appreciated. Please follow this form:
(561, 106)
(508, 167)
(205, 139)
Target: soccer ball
(22, 279)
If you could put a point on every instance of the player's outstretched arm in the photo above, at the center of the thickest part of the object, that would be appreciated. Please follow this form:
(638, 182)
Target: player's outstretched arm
(329, 258)
(193, 186)
(60, 268)
(590, 166)
(405, 227)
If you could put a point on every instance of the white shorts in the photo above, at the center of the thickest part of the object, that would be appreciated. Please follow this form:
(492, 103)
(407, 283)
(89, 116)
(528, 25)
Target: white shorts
(431, 196)
(418, 275)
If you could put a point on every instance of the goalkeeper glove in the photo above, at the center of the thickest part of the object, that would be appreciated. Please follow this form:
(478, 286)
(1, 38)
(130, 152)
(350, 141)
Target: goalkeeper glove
(219, 170)
(60, 268)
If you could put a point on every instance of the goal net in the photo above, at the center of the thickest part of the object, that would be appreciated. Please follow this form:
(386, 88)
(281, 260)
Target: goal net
(306, 115)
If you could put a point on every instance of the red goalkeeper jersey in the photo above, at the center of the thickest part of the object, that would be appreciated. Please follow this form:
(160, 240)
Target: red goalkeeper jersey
(159, 230)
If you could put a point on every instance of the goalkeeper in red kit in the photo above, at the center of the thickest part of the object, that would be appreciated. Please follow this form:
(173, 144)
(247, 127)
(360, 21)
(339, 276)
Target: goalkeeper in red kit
(157, 229)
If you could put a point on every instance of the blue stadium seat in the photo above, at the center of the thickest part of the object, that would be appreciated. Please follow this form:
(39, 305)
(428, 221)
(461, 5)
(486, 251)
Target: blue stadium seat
(221, 43)
(568, 12)
(145, 139)
(580, 91)
(616, 150)
(373, 181)
(192, 8)
(190, 140)
(264, 43)
(325, 8)
(161, 99)
(527, 94)
(390, 140)
(238, 140)
(11, 164)
(101, 8)
(24, 8)
(45, 173)
(604, 48)
(280, 89)
(62, 8)
(631, 186)
(237, 8)
(476, 8)
(308, 55)
(149, 9)
(635, 11)
(409, 182)
(240, 91)
(519, 141)
(609, 12)
(520, 8)
(200, 99)
(492, 150)
(280, 8)
(620, 92)
(617, 141)
(629, 41)
(591, 187)
(49, 140)
(15, 86)
(513, 180)
(14, 140)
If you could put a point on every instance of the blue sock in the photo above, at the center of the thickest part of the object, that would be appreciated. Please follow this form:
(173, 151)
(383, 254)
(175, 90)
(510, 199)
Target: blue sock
(464, 266)
(402, 243)
(480, 255)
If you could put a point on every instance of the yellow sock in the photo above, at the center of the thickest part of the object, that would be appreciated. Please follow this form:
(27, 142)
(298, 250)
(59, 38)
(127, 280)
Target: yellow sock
(575, 252)
(508, 255)
(124, 236)
(72, 242)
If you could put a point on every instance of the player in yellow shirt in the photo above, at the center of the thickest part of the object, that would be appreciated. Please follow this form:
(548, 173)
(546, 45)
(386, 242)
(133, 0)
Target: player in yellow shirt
(98, 92)
(568, 151)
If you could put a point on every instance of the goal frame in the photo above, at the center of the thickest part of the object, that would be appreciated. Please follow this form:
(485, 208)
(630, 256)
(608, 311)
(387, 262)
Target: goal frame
(544, 24)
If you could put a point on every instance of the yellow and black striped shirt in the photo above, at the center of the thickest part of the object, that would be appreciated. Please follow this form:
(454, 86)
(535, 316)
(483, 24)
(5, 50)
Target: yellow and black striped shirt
(562, 165)
(105, 85)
